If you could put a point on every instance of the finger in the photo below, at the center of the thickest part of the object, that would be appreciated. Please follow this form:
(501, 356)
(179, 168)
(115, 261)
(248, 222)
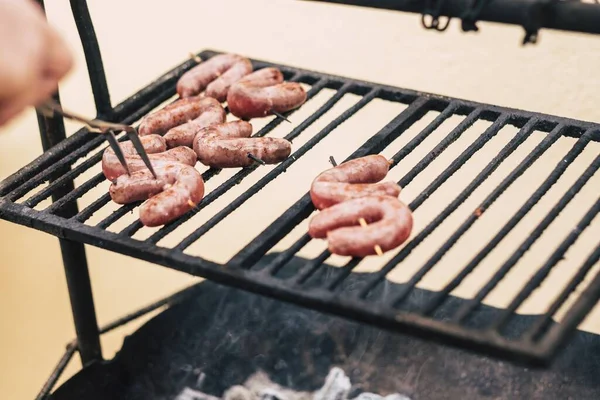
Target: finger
(45, 87)
(58, 59)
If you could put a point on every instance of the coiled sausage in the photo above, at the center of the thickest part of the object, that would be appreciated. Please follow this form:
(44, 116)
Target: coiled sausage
(262, 92)
(211, 112)
(177, 189)
(177, 113)
(216, 75)
(156, 148)
(227, 145)
(353, 179)
(390, 224)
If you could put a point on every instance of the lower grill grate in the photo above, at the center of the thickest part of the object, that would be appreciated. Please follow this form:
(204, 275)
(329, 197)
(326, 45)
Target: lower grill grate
(486, 183)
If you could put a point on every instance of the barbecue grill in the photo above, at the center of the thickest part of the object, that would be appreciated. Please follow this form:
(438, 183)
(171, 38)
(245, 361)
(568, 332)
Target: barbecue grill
(271, 263)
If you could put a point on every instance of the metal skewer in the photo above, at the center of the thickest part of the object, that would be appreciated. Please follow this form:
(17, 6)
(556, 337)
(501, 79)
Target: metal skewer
(279, 115)
(258, 160)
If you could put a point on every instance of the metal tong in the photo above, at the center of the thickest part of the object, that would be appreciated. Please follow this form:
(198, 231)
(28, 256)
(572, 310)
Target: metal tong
(50, 107)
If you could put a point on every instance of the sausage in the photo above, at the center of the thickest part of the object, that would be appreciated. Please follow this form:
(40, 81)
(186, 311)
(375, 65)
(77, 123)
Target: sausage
(390, 223)
(216, 75)
(228, 145)
(353, 179)
(183, 135)
(177, 190)
(155, 146)
(262, 92)
(175, 114)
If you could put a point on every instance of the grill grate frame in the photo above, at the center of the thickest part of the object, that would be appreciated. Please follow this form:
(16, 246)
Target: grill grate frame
(537, 347)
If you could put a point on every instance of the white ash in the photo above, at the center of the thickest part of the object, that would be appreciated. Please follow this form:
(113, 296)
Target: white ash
(258, 386)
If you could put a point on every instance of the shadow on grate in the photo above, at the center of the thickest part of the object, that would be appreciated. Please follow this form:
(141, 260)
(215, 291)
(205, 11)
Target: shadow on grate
(504, 205)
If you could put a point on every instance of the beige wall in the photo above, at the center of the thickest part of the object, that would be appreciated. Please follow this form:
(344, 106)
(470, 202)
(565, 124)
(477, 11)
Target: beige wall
(142, 39)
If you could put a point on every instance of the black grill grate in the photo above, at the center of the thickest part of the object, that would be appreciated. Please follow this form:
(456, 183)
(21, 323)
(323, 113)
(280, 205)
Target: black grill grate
(21, 203)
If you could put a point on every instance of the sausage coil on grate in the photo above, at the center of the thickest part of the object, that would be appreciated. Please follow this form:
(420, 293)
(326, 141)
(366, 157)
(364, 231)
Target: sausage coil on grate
(228, 145)
(216, 75)
(351, 192)
(263, 92)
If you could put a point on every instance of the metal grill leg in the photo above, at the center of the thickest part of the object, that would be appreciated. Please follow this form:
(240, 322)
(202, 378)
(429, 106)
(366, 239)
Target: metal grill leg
(52, 131)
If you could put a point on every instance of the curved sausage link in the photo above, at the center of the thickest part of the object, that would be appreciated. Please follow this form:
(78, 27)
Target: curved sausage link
(353, 179)
(157, 153)
(211, 112)
(216, 75)
(390, 224)
(175, 114)
(262, 92)
(177, 190)
(228, 145)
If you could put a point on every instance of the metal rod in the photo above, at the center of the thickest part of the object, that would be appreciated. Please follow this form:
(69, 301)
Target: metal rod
(519, 170)
(93, 58)
(540, 324)
(58, 371)
(572, 16)
(506, 151)
(466, 308)
(556, 256)
(52, 132)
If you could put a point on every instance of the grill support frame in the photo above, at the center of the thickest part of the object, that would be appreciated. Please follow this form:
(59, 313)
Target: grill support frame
(56, 145)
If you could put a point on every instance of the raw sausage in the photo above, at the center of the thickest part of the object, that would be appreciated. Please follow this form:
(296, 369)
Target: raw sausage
(216, 75)
(390, 224)
(227, 145)
(211, 112)
(155, 146)
(175, 114)
(177, 190)
(180, 112)
(262, 92)
(353, 179)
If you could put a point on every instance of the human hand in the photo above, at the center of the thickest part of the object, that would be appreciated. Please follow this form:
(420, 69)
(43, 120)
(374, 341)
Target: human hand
(34, 58)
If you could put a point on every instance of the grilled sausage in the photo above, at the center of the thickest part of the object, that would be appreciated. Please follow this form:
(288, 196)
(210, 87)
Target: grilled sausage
(177, 190)
(262, 92)
(183, 135)
(352, 179)
(390, 223)
(215, 75)
(155, 147)
(175, 114)
(228, 145)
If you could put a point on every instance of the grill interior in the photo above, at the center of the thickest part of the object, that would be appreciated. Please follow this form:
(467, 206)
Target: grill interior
(493, 191)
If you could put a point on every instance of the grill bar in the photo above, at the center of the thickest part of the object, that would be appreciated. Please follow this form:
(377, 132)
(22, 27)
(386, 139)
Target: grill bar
(453, 167)
(506, 182)
(87, 212)
(77, 193)
(506, 151)
(563, 164)
(558, 334)
(557, 256)
(189, 240)
(538, 327)
(424, 134)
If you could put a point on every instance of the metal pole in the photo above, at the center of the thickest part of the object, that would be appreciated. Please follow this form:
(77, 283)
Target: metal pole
(52, 131)
(571, 16)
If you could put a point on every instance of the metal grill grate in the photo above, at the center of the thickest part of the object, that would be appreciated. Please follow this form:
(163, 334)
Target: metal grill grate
(26, 200)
